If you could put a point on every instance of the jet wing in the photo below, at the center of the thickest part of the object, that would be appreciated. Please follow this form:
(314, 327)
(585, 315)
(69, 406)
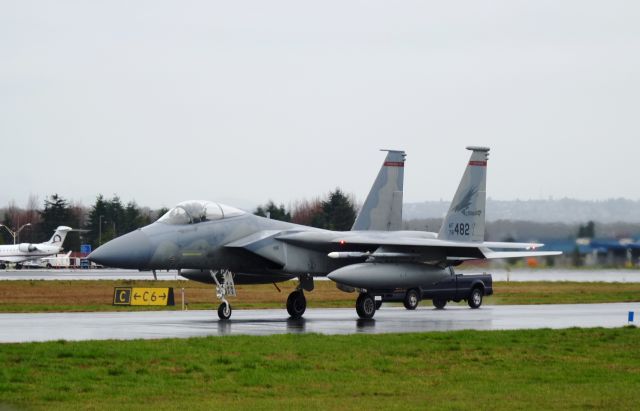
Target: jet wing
(490, 254)
(519, 246)
(381, 245)
(263, 244)
(253, 240)
(428, 242)
(398, 245)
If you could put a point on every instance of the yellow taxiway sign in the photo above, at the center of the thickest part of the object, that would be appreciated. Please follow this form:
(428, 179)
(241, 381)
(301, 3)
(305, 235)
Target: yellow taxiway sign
(143, 296)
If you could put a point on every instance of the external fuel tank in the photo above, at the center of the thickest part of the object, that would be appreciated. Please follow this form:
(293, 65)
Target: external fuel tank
(389, 275)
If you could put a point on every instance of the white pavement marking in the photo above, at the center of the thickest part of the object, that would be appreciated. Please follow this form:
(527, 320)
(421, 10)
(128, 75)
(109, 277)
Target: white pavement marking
(184, 324)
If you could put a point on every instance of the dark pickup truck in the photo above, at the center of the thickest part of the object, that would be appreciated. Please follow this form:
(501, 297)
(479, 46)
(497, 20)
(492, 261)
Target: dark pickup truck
(456, 287)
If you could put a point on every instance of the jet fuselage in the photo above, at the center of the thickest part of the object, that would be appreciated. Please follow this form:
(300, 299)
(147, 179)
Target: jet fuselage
(209, 245)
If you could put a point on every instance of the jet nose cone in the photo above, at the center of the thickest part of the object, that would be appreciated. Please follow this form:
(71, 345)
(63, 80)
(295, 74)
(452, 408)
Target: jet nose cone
(132, 250)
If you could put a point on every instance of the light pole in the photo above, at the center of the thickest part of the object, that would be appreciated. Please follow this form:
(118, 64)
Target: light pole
(100, 231)
(14, 234)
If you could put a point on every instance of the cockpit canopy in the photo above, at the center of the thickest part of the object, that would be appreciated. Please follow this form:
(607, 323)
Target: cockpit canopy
(195, 211)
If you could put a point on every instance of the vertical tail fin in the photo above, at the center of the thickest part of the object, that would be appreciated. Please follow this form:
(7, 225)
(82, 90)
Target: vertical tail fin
(465, 220)
(382, 210)
(59, 235)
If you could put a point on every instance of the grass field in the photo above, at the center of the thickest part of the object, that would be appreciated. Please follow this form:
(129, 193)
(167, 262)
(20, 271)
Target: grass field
(39, 296)
(540, 369)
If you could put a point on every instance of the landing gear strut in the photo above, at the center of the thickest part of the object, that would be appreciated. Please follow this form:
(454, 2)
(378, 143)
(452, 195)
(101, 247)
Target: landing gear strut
(226, 288)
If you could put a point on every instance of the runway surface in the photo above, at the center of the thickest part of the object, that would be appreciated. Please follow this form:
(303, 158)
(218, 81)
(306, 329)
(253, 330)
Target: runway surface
(578, 275)
(79, 274)
(184, 324)
(499, 274)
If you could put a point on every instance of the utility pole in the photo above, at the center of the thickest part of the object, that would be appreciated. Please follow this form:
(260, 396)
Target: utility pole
(14, 234)
(100, 231)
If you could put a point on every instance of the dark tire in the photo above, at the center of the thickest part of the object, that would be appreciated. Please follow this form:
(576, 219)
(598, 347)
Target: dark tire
(224, 311)
(378, 304)
(475, 297)
(296, 304)
(18, 266)
(365, 306)
(439, 303)
(3, 266)
(49, 265)
(411, 300)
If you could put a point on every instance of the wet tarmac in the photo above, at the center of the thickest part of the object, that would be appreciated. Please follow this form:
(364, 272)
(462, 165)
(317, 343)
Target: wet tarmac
(499, 274)
(578, 275)
(79, 274)
(184, 324)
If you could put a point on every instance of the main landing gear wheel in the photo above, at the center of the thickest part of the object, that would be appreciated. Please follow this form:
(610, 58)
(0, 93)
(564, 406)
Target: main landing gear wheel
(296, 304)
(411, 300)
(439, 303)
(365, 306)
(475, 298)
(224, 311)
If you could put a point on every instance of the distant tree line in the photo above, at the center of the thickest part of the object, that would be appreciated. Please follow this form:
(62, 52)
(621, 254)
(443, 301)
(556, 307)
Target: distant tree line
(587, 231)
(336, 211)
(108, 218)
(37, 225)
(104, 220)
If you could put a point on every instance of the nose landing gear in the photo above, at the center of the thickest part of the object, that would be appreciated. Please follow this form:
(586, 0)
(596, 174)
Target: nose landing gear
(223, 289)
(224, 310)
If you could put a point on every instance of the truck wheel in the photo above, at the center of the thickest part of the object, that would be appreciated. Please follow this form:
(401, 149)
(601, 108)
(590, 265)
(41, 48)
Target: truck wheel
(475, 298)
(365, 306)
(439, 303)
(411, 300)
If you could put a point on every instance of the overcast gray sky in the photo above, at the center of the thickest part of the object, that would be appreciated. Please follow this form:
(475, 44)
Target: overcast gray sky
(242, 101)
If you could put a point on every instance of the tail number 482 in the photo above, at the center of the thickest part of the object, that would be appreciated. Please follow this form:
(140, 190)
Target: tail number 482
(460, 229)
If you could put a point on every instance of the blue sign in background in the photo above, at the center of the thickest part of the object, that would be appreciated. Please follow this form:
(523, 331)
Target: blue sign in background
(85, 248)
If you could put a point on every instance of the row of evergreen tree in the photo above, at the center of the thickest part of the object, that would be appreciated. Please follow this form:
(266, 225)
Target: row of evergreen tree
(104, 220)
(336, 212)
(110, 218)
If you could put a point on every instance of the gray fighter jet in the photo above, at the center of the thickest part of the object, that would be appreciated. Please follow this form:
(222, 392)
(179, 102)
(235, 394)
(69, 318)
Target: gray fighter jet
(215, 243)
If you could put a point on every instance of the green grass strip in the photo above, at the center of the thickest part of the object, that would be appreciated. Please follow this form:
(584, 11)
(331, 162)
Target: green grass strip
(538, 369)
